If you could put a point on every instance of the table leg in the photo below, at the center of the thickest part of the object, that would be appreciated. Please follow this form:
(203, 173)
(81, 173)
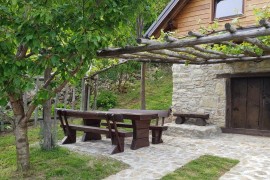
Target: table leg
(88, 135)
(140, 134)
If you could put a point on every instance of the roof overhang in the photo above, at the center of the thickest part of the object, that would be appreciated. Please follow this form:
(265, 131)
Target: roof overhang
(171, 10)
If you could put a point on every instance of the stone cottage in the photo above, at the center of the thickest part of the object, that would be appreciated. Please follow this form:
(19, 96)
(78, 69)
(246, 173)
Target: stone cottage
(236, 95)
(233, 88)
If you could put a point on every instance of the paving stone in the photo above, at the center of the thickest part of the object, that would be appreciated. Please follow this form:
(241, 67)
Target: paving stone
(155, 161)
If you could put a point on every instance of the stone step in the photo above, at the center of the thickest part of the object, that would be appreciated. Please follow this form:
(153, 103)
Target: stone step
(192, 131)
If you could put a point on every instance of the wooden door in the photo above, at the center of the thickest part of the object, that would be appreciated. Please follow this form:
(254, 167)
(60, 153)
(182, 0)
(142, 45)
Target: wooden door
(250, 103)
(265, 118)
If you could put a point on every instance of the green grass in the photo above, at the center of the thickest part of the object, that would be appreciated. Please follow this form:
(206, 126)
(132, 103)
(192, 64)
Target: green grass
(206, 167)
(158, 93)
(59, 163)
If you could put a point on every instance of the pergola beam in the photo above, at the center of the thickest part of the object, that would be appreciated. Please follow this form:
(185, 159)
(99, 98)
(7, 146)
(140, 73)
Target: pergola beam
(246, 52)
(253, 41)
(144, 54)
(211, 61)
(197, 49)
(175, 51)
(188, 42)
(204, 50)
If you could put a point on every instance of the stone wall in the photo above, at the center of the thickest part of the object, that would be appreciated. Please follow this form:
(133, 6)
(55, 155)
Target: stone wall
(197, 90)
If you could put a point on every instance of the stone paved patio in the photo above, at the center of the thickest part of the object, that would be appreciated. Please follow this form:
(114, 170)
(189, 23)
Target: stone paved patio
(157, 160)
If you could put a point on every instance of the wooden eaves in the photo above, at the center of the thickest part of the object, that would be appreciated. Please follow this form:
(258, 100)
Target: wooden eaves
(193, 49)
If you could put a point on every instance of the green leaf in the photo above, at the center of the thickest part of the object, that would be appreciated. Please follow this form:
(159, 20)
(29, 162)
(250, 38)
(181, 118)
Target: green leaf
(18, 63)
(29, 37)
(14, 2)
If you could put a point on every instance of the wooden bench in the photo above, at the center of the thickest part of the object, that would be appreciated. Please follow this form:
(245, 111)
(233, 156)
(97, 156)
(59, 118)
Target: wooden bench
(156, 129)
(117, 137)
(200, 118)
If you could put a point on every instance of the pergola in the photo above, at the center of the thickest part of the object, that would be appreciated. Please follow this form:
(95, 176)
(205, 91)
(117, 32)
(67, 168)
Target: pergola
(194, 49)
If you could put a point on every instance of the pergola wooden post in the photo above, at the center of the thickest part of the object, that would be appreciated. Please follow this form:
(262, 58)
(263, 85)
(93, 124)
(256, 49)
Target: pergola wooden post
(143, 64)
(143, 70)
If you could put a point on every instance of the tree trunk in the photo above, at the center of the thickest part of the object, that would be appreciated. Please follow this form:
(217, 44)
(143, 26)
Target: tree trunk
(47, 140)
(20, 132)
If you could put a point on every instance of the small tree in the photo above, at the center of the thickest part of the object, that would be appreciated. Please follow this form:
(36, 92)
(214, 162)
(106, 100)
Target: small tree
(61, 37)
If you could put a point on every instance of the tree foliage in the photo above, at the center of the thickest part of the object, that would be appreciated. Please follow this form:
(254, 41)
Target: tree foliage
(57, 35)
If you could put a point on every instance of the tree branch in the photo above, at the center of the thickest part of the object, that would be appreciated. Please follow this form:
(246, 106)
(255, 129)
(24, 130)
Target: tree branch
(46, 84)
(21, 51)
(33, 106)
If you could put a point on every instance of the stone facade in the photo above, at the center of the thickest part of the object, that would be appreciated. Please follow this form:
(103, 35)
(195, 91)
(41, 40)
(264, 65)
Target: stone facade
(197, 90)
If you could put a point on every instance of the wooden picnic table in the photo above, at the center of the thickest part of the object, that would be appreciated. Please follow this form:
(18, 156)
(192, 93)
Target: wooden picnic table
(117, 137)
(140, 124)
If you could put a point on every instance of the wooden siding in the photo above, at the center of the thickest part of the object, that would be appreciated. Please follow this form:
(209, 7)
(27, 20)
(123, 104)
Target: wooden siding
(198, 13)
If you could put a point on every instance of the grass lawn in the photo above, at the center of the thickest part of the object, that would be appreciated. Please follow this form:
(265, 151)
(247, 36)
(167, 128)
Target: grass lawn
(59, 163)
(206, 167)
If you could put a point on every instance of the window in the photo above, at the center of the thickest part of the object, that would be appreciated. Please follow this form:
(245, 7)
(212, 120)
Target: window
(227, 8)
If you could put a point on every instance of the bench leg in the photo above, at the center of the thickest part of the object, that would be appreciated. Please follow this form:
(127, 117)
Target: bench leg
(91, 136)
(119, 147)
(156, 136)
(200, 122)
(70, 137)
(180, 120)
(87, 136)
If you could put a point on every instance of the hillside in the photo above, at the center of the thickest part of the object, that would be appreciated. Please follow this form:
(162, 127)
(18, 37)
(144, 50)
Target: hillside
(158, 91)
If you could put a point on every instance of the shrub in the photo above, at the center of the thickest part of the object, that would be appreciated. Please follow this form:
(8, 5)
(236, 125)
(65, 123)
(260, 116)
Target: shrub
(106, 100)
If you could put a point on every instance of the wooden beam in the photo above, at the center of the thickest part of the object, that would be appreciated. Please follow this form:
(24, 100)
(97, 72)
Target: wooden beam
(210, 53)
(211, 61)
(195, 34)
(258, 43)
(172, 53)
(175, 54)
(230, 28)
(265, 23)
(220, 54)
(237, 75)
(246, 52)
(253, 41)
(188, 42)
(195, 53)
(255, 132)
(182, 56)
(152, 60)
(240, 59)
(106, 69)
